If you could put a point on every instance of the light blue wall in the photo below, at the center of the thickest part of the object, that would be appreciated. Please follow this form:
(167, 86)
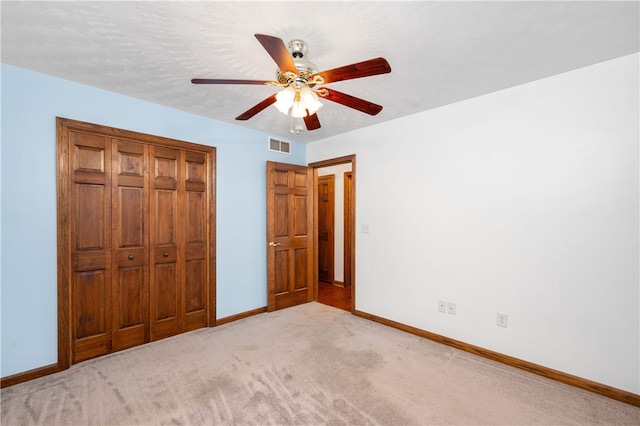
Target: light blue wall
(30, 104)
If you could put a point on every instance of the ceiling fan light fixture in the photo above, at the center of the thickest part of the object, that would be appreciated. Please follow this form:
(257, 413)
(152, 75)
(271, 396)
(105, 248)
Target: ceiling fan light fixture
(299, 78)
(299, 102)
(284, 99)
(298, 110)
(310, 100)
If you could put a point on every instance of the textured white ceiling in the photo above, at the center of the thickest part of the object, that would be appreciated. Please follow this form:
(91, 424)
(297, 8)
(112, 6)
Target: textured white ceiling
(440, 52)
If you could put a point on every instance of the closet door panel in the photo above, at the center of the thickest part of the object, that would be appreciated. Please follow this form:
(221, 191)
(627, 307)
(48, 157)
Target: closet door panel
(166, 268)
(91, 333)
(130, 208)
(166, 294)
(91, 215)
(90, 245)
(131, 297)
(196, 296)
(165, 217)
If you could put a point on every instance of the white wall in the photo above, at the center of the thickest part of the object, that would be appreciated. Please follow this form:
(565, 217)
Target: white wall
(338, 237)
(523, 201)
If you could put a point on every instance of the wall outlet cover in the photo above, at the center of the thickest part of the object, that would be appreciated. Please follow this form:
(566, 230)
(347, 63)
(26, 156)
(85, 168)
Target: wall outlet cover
(451, 308)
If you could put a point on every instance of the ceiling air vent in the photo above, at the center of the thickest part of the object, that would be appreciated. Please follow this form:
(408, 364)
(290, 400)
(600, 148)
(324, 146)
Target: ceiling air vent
(280, 146)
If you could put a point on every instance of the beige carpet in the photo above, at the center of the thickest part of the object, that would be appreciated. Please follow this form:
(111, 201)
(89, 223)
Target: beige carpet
(307, 365)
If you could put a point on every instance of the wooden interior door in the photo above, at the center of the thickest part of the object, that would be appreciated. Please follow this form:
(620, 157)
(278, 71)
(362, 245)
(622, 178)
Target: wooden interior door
(90, 244)
(326, 225)
(165, 236)
(130, 207)
(289, 235)
(195, 301)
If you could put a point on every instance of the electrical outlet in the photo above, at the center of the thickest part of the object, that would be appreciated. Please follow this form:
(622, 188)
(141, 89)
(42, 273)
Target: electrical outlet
(502, 320)
(451, 308)
(442, 306)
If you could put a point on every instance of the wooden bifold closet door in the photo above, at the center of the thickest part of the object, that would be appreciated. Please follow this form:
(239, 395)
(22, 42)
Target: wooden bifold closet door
(136, 234)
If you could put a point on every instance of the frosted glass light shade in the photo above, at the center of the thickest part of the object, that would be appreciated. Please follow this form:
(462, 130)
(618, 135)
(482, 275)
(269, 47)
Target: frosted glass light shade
(284, 99)
(310, 100)
(298, 102)
(298, 110)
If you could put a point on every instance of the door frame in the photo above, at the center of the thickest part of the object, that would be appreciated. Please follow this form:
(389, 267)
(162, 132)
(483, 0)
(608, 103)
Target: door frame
(347, 224)
(349, 245)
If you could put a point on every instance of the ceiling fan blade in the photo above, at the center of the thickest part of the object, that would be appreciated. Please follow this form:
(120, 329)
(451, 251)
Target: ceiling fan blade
(257, 108)
(279, 52)
(228, 81)
(361, 69)
(350, 101)
(312, 122)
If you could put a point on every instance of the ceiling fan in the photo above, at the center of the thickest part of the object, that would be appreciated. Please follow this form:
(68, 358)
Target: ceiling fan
(300, 81)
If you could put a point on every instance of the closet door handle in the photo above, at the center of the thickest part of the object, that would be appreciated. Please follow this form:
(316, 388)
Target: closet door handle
(165, 254)
(272, 244)
(131, 257)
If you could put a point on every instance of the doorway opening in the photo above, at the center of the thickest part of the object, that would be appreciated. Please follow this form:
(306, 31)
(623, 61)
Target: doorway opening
(334, 215)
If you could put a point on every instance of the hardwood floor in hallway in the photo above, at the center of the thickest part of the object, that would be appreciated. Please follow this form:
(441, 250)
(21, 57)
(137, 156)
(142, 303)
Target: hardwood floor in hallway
(333, 295)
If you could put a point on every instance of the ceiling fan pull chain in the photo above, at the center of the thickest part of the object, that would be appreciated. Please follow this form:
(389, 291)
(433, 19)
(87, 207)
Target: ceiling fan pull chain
(296, 125)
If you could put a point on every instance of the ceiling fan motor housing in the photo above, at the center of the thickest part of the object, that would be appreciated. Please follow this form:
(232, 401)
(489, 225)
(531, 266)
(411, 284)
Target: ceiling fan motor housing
(298, 49)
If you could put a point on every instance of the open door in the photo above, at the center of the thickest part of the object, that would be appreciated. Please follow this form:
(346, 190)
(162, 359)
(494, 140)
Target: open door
(326, 225)
(289, 235)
